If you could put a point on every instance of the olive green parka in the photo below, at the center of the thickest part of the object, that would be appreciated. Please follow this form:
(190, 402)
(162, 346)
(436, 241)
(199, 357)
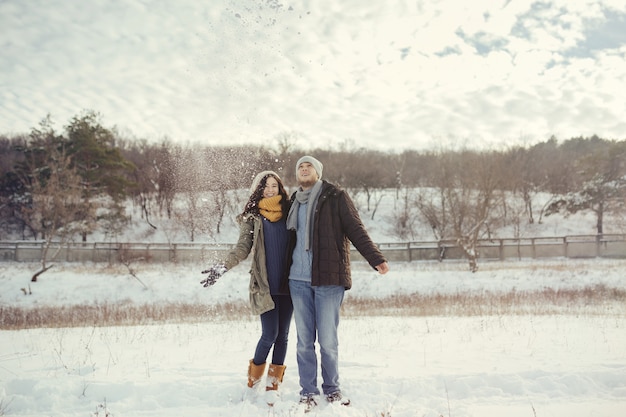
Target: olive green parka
(251, 240)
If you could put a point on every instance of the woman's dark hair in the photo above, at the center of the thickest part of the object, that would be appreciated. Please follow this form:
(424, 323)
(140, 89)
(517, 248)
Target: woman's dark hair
(252, 206)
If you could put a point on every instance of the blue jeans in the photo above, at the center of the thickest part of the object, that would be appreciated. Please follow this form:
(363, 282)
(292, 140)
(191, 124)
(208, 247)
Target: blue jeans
(275, 331)
(316, 311)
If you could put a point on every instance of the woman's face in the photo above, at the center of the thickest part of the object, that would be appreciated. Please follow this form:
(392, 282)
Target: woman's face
(271, 187)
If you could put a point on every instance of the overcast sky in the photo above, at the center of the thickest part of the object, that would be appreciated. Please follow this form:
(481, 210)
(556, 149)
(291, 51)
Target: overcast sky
(385, 75)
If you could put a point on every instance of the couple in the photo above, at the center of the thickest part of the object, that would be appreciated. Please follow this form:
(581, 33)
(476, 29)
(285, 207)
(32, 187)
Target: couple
(300, 266)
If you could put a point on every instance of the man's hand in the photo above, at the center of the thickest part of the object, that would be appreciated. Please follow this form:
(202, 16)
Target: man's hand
(214, 273)
(383, 268)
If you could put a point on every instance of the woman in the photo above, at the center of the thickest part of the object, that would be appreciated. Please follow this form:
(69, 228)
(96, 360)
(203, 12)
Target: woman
(263, 228)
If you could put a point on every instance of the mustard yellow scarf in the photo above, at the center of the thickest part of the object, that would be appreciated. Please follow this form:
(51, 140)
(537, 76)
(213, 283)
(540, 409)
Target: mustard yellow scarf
(270, 208)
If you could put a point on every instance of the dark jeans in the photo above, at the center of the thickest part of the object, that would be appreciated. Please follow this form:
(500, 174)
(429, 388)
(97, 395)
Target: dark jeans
(275, 331)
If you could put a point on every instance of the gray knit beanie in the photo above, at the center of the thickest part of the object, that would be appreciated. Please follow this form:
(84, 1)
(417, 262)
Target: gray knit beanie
(316, 164)
(257, 180)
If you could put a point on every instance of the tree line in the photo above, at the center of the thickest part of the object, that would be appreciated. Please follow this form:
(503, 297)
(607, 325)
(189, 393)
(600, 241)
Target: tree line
(60, 186)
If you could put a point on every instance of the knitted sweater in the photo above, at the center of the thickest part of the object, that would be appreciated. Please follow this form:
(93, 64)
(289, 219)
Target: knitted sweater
(275, 240)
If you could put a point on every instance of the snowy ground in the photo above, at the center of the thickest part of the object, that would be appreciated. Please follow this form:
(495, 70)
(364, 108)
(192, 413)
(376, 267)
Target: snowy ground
(532, 365)
(572, 364)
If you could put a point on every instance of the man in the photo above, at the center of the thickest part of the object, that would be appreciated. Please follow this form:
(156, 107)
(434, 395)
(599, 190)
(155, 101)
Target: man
(324, 221)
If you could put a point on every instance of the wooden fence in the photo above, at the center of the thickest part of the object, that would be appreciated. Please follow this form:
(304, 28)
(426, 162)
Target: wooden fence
(587, 246)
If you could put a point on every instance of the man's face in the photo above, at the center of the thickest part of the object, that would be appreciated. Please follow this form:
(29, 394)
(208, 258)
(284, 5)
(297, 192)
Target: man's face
(307, 176)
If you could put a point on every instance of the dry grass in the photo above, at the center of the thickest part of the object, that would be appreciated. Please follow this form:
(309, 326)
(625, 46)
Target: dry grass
(14, 318)
(585, 301)
(589, 300)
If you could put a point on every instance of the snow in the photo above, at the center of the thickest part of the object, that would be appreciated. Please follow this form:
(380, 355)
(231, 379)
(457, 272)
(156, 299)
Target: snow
(569, 364)
(535, 360)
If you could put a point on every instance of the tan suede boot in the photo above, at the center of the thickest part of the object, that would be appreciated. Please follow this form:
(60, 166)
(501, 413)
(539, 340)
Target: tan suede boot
(255, 373)
(275, 376)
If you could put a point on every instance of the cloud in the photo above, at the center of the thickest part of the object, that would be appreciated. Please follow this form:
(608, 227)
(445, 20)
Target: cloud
(483, 73)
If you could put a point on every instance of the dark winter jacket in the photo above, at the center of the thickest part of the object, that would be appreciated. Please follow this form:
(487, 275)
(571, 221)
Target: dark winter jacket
(336, 224)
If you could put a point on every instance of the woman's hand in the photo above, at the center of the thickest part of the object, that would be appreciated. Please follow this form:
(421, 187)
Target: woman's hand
(214, 273)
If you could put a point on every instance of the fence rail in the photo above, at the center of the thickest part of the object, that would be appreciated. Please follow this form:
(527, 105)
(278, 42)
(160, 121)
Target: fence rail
(580, 246)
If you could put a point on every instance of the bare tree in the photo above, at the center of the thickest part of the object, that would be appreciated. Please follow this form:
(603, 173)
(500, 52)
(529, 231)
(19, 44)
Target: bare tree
(146, 177)
(56, 210)
(461, 206)
(191, 183)
(360, 171)
(603, 188)
(404, 215)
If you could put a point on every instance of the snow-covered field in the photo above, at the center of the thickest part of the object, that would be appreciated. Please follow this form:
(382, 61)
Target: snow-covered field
(571, 364)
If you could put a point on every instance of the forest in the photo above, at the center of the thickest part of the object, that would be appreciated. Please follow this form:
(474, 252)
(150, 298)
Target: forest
(64, 186)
